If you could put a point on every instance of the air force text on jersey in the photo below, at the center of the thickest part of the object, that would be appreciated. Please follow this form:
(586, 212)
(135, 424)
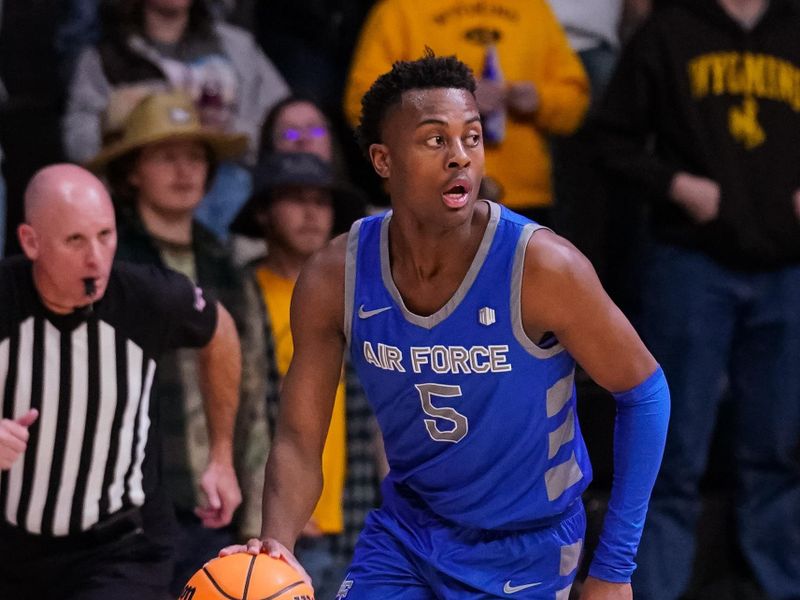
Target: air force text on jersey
(438, 359)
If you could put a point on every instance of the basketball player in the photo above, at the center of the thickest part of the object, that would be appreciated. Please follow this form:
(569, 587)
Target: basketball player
(82, 514)
(464, 321)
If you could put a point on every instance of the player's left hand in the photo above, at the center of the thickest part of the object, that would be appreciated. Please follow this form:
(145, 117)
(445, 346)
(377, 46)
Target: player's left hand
(272, 547)
(522, 98)
(223, 496)
(597, 589)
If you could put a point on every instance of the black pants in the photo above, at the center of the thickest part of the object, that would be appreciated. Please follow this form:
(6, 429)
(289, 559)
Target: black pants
(129, 568)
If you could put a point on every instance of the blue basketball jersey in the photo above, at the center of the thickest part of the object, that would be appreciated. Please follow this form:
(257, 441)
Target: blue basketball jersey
(478, 420)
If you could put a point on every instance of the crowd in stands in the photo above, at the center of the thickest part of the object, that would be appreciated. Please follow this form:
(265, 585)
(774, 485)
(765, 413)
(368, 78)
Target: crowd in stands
(659, 137)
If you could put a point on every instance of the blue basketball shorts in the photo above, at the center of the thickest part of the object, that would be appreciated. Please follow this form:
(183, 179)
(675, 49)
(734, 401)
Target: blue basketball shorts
(406, 552)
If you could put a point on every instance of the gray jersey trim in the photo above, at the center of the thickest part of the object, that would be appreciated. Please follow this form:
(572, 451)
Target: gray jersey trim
(561, 477)
(564, 434)
(570, 557)
(516, 298)
(563, 594)
(559, 394)
(440, 315)
(350, 278)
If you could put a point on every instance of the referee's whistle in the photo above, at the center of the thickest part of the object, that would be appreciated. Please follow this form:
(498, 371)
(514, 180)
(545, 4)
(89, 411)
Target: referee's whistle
(90, 286)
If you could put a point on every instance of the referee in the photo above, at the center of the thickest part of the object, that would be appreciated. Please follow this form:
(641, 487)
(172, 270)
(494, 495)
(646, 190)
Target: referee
(82, 515)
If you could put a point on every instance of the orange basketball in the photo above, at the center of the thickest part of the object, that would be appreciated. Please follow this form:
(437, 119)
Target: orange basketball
(246, 577)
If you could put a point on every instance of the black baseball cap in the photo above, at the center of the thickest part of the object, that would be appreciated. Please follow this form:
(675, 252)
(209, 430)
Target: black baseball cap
(297, 169)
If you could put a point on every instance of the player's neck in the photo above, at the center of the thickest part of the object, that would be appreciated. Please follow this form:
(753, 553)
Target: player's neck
(429, 249)
(424, 254)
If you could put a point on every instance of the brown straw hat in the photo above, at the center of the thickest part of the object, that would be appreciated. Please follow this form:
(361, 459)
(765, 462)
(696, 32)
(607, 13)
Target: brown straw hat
(166, 116)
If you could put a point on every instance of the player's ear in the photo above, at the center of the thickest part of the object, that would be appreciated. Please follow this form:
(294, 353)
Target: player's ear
(28, 241)
(379, 156)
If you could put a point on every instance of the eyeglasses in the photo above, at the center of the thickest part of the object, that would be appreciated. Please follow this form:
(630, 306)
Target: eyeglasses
(292, 134)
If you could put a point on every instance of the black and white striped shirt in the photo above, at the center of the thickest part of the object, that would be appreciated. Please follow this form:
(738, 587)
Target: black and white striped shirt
(90, 376)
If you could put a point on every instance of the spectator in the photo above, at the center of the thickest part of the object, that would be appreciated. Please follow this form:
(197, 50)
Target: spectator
(545, 90)
(295, 208)
(704, 124)
(157, 45)
(83, 511)
(298, 124)
(295, 124)
(152, 45)
(159, 170)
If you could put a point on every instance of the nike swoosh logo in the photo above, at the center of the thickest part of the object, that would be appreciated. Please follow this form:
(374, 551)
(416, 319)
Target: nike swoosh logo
(513, 589)
(366, 314)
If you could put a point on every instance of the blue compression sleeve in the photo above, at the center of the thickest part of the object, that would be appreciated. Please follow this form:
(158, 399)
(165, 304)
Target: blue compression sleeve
(639, 436)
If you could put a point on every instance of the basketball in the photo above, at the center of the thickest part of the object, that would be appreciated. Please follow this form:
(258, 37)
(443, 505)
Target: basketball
(243, 576)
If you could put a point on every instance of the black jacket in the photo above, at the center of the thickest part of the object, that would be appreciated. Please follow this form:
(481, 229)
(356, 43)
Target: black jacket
(694, 91)
(220, 281)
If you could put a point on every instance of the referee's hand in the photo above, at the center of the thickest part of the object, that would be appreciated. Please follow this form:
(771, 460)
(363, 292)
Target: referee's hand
(222, 495)
(14, 437)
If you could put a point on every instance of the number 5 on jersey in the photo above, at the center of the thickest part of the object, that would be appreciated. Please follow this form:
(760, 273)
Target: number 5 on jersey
(448, 413)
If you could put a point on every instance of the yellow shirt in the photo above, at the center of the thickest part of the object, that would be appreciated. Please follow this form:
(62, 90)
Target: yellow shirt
(531, 46)
(277, 293)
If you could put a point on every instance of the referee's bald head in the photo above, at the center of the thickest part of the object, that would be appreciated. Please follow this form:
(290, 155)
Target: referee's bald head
(62, 186)
(69, 234)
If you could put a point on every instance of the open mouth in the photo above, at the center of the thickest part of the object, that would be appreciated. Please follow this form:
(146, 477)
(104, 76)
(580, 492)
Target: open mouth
(456, 196)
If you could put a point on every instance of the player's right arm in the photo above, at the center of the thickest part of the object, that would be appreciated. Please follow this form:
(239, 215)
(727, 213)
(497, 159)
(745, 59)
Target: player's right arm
(293, 479)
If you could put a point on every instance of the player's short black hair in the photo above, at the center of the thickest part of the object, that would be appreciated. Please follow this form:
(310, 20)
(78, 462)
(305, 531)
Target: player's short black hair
(428, 72)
